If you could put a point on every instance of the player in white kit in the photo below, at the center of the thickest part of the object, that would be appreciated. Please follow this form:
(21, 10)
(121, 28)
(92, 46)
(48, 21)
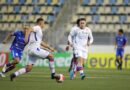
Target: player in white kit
(36, 49)
(79, 39)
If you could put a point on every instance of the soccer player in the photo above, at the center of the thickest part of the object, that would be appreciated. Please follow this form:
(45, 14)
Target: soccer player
(17, 47)
(36, 49)
(120, 43)
(79, 39)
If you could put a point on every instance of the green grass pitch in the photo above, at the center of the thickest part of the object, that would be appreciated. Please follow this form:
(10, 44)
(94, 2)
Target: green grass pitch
(96, 79)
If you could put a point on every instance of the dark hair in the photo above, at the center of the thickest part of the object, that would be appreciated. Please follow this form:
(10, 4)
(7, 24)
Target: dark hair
(39, 19)
(80, 19)
(121, 30)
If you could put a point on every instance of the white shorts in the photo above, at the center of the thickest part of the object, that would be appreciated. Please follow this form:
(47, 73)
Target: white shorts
(81, 53)
(36, 53)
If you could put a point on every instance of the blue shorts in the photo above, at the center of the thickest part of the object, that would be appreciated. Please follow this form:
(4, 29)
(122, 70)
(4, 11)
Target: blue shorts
(16, 53)
(119, 52)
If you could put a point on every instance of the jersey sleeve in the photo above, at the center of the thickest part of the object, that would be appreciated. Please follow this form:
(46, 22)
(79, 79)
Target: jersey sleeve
(35, 29)
(125, 40)
(15, 33)
(90, 36)
(71, 35)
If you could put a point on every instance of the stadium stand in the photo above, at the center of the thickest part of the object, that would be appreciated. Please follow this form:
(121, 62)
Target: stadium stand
(104, 15)
(15, 13)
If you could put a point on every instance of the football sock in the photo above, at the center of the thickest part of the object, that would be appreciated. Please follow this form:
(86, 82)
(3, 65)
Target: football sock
(20, 71)
(51, 65)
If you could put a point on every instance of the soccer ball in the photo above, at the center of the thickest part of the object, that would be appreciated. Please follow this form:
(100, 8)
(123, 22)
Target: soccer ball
(60, 78)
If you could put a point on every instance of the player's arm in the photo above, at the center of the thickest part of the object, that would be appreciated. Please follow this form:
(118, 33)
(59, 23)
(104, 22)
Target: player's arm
(125, 42)
(115, 43)
(70, 39)
(8, 37)
(27, 33)
(90, 36)
(46, 46)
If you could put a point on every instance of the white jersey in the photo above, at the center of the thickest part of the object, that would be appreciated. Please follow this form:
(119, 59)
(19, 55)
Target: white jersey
(79, 38)
(35, 37)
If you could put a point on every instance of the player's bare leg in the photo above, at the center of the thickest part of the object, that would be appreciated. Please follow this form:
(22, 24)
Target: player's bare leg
(21, 71)
(51, 65)
(9, 66)
(80, 67)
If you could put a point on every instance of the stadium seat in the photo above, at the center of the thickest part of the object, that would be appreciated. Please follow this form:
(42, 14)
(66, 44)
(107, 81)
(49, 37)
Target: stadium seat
(17, 18)
(57, 10)
(111, 28)
(49, 10)
(22, 1)
(108, 19)
(5, 26)
(112, 2)
(95, 19)
(9, 1)
(106, 2)
(74, 18)
(94, 10)
(36, 9)
(99, 2)
(4, 9)
(43, 2)
(11, 18)
(2, 2)
(88, 19)
(42, 9)
(48, 2)
(122, 10)
(119, 2)
(12, 27)
(61, 2)
(86, 10)
(16, 9)
(128, 19)
(85, 2)
(10, 9)
(92, 2)
(102, 19)
(122, 19)
(117, 27)
(101, 10)
(51, 18)
(80, 10)
(30, 9)
(96, 28)
(107, 10)
(23, 9)
(115, 19)
(18, 25)
(31, 18)
(127, 10)
(28, 2)
(126, 2)
(103, 28)
(54, 2)
(4, 18)
(15, 1)
(114, 10)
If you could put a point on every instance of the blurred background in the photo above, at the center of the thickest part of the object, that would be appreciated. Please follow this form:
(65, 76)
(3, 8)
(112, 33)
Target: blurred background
(104, 17)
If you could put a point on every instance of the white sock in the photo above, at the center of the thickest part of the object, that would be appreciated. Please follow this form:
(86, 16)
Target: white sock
(20, 71)
(52, 66)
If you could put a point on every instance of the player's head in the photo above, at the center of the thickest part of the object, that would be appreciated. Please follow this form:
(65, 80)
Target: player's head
(25, 27)
(120, 31)
(81, 22)
(40, 22)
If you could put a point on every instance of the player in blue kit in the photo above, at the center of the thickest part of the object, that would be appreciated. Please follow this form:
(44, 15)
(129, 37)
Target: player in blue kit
(17, 47)
(120, 43)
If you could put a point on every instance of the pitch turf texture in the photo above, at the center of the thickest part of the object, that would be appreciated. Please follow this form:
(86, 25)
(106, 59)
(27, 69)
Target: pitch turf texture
(96, 79)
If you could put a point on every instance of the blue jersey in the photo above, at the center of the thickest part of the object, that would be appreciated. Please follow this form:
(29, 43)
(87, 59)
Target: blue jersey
(18, 42)
(121, 41)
